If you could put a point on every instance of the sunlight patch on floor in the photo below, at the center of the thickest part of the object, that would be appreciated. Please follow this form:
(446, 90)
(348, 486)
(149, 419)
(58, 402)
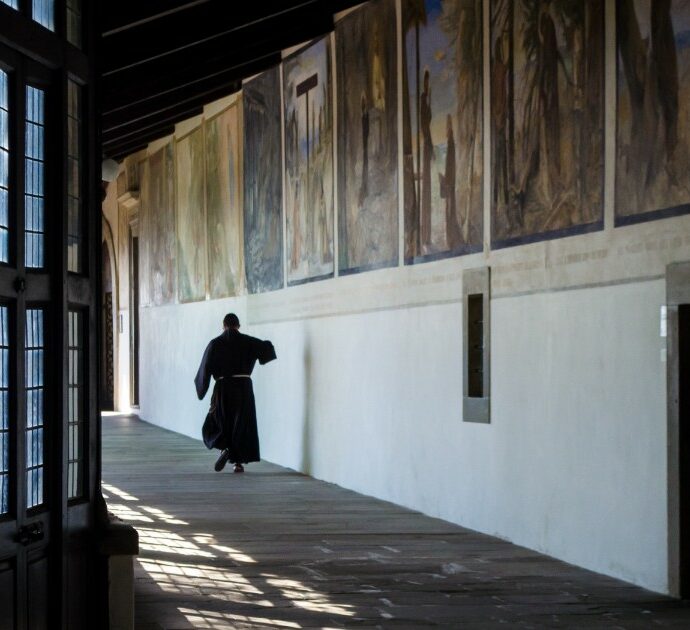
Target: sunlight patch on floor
(307, 598)
(222, 620)
(188, 578)
(164, 541)
(125, 496)
(127, 513)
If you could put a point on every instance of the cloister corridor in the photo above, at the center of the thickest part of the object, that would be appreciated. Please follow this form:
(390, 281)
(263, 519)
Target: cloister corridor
(276, 549)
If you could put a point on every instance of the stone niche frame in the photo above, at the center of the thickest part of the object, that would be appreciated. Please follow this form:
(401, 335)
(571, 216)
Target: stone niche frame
(476, 406)
(677, 294)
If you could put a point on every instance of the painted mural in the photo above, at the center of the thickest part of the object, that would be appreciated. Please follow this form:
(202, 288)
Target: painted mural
(307, 95)
(367, 138)
(547, 95)
(191, 217)
(223, 204)
(653, 134)
(145, 241)
(442, 128)
(161, 220)
(263, 225)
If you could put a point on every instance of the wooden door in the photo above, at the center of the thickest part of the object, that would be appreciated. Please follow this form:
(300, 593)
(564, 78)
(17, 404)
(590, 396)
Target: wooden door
(676, 326)
(107, 333)
(29, 363)
(684, 448)
(134, 312)
(49, 466)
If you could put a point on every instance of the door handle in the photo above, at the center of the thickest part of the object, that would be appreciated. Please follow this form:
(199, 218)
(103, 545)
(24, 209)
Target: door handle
(19, 284)
(28, 534)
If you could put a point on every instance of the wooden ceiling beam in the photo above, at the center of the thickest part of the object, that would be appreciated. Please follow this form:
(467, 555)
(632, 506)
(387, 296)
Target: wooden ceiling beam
(172, 103)
(200, 78)
(125, 14)
(212, 25)
(166, 59)
(121, 151)
(233, 50)
(150, 128)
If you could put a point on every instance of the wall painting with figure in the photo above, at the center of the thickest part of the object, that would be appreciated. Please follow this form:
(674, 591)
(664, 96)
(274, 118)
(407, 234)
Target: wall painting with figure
(653, 131)
(547, 107)
(190, 217)
(442, 128)
(307, 95)
(263, 221)
(161, 223)
(367, 138)
(223, 204)
(145, 239)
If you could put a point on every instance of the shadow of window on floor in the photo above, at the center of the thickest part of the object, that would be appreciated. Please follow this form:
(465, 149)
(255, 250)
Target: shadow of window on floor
(168, 561)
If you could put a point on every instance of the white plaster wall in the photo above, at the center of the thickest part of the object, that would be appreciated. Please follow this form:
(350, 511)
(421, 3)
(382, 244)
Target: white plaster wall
(573, 463)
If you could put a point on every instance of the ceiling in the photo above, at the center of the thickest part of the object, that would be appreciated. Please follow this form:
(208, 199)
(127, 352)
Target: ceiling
(162, 60)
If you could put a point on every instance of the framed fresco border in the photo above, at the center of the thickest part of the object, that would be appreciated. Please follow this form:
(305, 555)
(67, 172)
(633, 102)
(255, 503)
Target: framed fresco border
(325, 276)
(304, 47)
(342, 265)
(473, 188)
(386, 264)
(575, 230)
(331, 53)
(176, 202)
(649, 215)
(254, 282)
(241, 287)
(167, 166)
(465, 250)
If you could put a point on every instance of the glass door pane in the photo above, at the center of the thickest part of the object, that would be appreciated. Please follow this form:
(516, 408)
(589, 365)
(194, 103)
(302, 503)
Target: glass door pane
(75, 420)
(74, 22)
(4, 412)
(43, 12)
(74, 196)
(34, 187)
(4, 167)
(34, 352)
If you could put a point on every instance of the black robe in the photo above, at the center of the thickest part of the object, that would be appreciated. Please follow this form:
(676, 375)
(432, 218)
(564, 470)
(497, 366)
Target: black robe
(231, 421)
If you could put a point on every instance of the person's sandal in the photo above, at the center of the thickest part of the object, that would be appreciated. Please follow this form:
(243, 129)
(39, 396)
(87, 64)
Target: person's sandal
(239, 468)
(222, 460)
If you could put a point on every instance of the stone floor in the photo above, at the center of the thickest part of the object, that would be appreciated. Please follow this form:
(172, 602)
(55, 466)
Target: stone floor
(275, 549)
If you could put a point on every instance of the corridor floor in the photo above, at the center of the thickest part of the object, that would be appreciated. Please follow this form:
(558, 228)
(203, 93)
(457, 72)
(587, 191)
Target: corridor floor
(276, 549)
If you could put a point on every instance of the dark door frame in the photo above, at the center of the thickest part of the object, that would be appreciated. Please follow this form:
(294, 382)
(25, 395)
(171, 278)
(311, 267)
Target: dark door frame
(73, 582)
(678, 399)
(108, 329)
(134, 282)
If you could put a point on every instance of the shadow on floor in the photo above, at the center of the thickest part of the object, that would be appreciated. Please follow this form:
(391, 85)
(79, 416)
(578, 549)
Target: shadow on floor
(276, 549)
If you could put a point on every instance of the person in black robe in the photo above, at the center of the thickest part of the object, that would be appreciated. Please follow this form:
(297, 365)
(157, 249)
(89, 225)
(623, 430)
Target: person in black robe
(231, 422)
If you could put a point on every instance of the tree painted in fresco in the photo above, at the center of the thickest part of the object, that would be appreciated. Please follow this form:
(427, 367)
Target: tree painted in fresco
(442, 128)
(547, 118)
(653, 127)
(414, 16)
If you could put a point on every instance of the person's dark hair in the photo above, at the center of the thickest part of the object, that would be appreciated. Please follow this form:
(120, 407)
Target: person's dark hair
(231, 321)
